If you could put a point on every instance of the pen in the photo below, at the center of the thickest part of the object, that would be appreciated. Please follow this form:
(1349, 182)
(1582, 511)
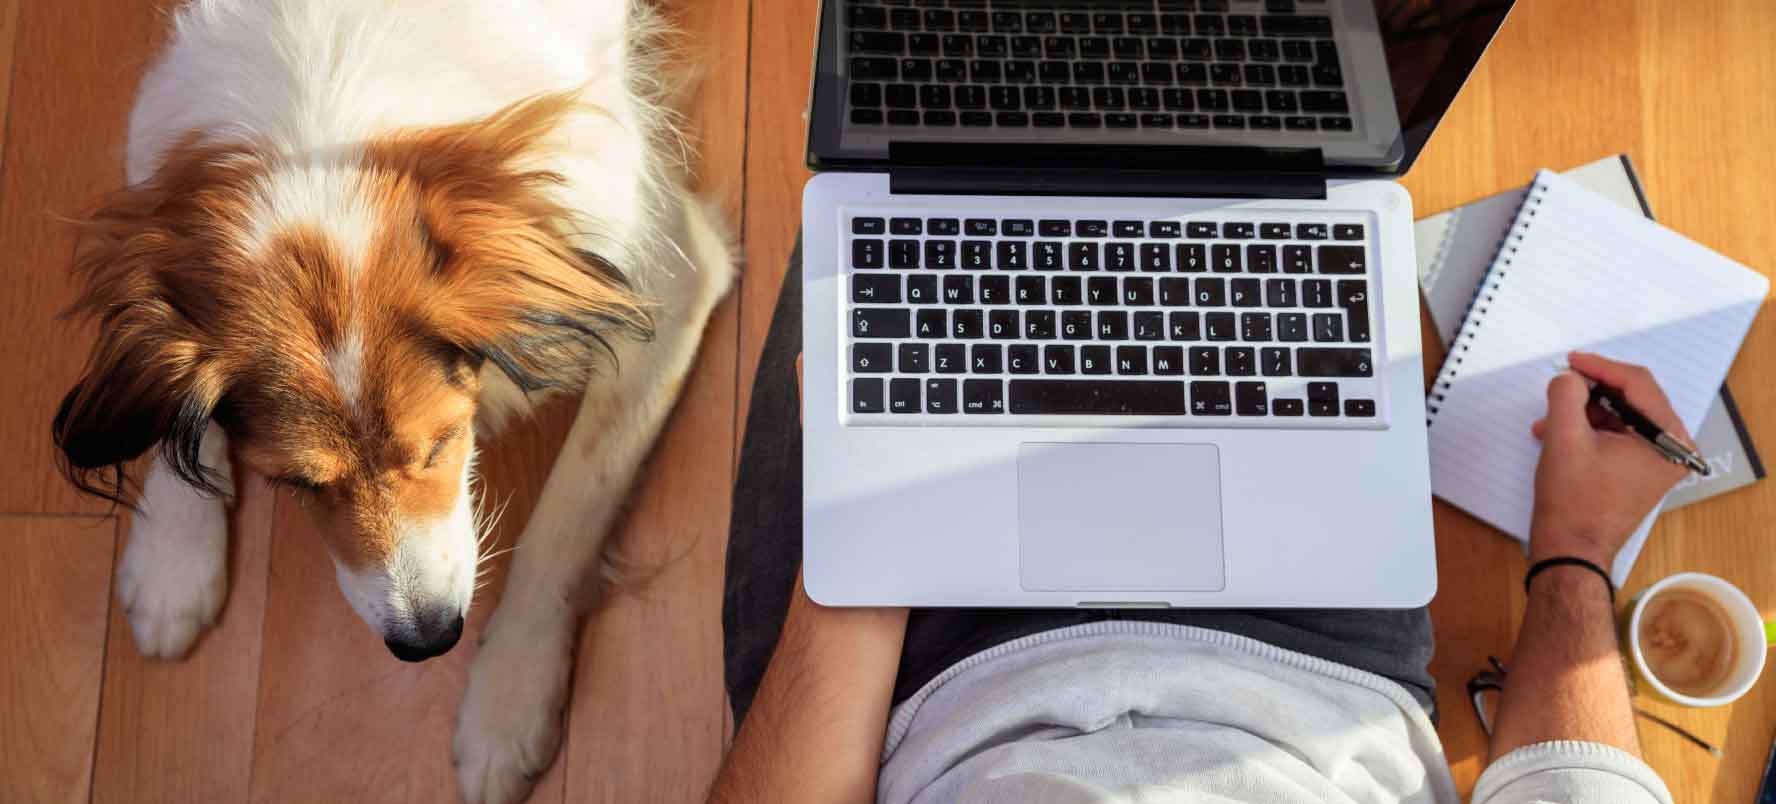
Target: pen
(1674, 451)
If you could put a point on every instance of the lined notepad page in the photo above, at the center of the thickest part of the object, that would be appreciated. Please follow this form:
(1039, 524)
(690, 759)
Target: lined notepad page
(1576, 271)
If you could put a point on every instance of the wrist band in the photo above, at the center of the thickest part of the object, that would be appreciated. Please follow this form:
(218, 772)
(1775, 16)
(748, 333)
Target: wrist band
(1570, 561)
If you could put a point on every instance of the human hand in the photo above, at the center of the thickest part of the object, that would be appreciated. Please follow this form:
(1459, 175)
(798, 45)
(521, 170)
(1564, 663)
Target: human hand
(1595, 481)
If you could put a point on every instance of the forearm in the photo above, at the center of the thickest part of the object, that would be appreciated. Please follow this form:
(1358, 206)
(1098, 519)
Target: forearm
(815, 730)
(1566, 680)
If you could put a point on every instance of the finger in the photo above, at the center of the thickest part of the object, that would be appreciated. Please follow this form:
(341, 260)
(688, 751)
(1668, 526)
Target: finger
(1567, 397)
(1539, 429)
(1636, 384)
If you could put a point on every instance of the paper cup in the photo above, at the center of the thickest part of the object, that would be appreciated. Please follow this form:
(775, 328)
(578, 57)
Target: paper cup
(1748, 626)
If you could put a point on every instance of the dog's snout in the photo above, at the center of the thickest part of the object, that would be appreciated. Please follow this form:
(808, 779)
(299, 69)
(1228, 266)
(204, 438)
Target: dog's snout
(429, 637)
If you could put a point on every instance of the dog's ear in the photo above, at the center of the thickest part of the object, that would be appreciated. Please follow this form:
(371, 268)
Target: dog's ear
(149, 379)
(515, 290)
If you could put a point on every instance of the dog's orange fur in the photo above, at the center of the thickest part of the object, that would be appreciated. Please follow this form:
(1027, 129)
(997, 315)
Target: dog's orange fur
(469, 263)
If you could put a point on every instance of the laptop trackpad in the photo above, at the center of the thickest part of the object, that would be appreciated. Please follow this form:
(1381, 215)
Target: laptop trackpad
(1120, 517)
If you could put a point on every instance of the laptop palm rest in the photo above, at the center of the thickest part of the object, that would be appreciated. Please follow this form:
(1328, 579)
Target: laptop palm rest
(1120, 518)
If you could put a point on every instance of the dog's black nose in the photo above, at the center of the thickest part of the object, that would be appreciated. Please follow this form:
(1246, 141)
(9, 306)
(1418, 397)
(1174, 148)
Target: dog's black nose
(425, 641)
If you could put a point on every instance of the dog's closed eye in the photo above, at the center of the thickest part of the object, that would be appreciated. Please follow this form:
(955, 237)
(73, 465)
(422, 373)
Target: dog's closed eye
(297, 483)
(442, 441)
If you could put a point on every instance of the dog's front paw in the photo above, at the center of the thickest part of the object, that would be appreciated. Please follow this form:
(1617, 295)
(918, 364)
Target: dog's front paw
(509, 727)
(174, 576)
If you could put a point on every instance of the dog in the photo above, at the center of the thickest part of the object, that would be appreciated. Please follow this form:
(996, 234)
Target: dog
(355, 239)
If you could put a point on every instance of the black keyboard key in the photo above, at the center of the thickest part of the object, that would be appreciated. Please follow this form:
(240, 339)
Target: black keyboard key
(1347, 231)
(1353, 296)
(1255, 326)
(921, 289)
(1136, 292)
(1310, 231)
(1076, 325)
(1002, 325)
(868, 17)
(936, 118)
(1075, 98)
(1247, 100)
(915, 69)
(1323, 101)
(1263, 50)
(940, 396)
(1273, 231)
(1219, 326)
(1085, 120)
(866, 253)
(1154, 120)
(1094, 47)
(1174, 292)
(940, 254)
(1117, 397)
(1094, 360)
(1320, 361)
(934, 96)
(1322, 399)
(1054, 228)
(1031, 290)
(972, 20)
(1238, 231)
(958, 289)
(1210, 398)
(1167, 230)
(1119, 256)
(953, 71)
(903, 18)
(1299, 123)
(1021, 72)
(866, 395)
(1113, 325)
(866, 94)
(1057, 359)
(1316, 292)
(971, 96)
(1124, 72)
(1285, 407)
(1275, 361)
(1039, 325)
(1092, 228)
(1088, 72)
(1229, 121)
(1201, 229)
(1327, 328)
(1048, 256)
(922, 44)
(1211, 292)
(1224, 75)
(992, 47)
(1243, 292)
(903, 253)
(1292, 327)
(1082, 257)
(951, 358)
(983, 396)
(872, 358)
(1131, 360)
(1039, 98)
(1250, 399)
(1225, 259)
(1175, 24)
(945, 227)
(1178, 100)
(1022, 359)
(1004, 98)
(1019, 227)
(1150, 326)
(906, 226)
(1342, 260)
(867, 226)
(1184, 326)
(1297, 259)
(1168, 360)
(875, 288)
(1055, 72)
(1154, 72)
(1205, 361)
(1261, 259)
(1212, 100)
(984, 358)
(1359, 408)
(1193, 121)
(1155, 257)
(1279, 292)
(1241, 361)
(1007, 21)
(913, 358)
(967, 325)
(877, 42)
(931, 324)
(1296, 50)
(982, 71)
(1067, 291)
(1327, 75)
(995, 290)
(903, 395)
(1026, 47)
(1335, 124)
(977, 255)
(903, 117)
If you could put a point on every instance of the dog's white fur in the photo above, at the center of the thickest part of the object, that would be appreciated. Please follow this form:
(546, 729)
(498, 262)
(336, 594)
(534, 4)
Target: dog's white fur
(315, 78)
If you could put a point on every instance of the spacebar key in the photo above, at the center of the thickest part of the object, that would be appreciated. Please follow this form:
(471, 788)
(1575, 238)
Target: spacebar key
(1130, 397)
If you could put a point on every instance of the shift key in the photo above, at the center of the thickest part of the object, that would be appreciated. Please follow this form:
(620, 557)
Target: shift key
(1333, 362)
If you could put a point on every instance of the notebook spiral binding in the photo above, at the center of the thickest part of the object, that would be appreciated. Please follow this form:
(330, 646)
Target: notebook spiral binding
(1483, 295)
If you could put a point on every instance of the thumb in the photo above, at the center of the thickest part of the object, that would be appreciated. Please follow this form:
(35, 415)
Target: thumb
(1568, 396)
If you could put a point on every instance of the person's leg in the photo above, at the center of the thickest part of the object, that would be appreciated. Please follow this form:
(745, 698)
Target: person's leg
(765, 529)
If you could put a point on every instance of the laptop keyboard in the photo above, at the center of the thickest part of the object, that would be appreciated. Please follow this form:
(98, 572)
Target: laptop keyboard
(1215, 317)
(1194, 66)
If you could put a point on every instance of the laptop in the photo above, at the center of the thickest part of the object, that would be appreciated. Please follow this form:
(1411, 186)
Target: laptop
(1113, 304)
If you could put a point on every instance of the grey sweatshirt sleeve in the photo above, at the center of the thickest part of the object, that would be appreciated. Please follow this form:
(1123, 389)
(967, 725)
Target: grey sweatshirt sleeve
(1570, 772)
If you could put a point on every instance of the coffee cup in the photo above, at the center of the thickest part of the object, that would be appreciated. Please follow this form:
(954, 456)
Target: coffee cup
(1696, 640)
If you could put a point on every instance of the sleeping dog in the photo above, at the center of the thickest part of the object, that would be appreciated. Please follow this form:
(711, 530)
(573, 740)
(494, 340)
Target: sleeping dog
(356, 238)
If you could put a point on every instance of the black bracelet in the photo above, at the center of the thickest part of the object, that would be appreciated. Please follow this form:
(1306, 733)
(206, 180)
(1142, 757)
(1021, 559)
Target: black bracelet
(1570, 561)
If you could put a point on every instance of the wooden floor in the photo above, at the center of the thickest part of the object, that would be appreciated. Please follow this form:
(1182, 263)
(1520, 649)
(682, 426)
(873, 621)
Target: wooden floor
(291, 699)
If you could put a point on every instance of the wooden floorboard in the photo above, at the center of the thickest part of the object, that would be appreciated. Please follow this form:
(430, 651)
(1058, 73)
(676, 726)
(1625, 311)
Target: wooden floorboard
(54, 579)
(9, 14)
(183, 731)
(78, 62)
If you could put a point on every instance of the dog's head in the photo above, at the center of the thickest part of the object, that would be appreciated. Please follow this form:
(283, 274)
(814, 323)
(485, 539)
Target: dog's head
(332, 314)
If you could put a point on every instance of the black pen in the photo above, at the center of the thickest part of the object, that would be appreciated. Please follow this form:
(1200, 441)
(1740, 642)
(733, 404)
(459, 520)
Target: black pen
(1611, 401)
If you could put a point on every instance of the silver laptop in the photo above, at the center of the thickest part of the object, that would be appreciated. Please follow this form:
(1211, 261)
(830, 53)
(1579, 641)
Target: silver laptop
(1113, 304)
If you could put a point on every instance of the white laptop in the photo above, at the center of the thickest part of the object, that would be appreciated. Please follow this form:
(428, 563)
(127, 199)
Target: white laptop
(1113, 304)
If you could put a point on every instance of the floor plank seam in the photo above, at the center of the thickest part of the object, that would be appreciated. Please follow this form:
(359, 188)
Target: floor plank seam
(741, 382)
(92, 771)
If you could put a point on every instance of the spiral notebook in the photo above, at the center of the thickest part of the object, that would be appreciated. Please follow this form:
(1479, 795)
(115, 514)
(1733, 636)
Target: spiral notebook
(1575, 271)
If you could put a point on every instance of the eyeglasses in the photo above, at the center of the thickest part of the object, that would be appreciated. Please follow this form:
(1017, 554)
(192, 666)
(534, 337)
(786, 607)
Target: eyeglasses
(1486, 686)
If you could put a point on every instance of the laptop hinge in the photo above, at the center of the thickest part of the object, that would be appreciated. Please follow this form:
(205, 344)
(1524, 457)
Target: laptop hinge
(920, 168)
